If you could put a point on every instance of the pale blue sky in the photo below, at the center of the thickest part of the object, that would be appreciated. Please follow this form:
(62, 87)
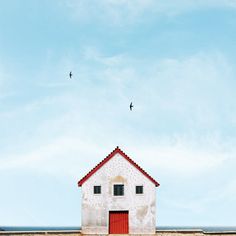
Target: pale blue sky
(174, 59)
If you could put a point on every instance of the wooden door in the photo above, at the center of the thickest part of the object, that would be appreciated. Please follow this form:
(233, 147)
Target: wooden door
(118, 222)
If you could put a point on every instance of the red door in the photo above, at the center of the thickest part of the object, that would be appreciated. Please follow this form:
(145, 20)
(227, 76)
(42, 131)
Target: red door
(118, 222)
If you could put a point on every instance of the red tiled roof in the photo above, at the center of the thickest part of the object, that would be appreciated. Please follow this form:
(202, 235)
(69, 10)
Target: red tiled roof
(113, 153)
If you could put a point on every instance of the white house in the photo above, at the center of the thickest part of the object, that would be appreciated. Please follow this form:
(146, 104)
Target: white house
(118, 197)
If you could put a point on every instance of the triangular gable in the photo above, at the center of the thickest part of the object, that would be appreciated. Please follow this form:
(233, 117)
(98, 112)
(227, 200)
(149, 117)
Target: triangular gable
(113, 153)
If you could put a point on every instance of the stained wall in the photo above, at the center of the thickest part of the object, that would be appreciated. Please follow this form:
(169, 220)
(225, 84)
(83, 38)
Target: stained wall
(95, 208)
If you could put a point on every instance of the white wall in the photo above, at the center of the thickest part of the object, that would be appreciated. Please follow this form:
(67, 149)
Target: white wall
(95, 208)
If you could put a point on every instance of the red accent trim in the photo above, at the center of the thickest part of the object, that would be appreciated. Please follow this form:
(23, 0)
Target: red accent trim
(113, 153)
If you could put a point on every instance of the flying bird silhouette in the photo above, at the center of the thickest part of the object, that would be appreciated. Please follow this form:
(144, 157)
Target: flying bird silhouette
(131, 106)
(70, 75)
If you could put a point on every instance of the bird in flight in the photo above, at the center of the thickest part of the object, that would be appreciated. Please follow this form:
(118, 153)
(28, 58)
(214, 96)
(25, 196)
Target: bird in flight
(70, 74)
(131, 106)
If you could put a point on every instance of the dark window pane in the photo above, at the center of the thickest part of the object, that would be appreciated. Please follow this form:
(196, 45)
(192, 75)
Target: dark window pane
(118, 189)
(96, 189)
(139, 189)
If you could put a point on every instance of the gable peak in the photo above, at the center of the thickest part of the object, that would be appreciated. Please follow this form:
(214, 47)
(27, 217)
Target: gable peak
(107, 158)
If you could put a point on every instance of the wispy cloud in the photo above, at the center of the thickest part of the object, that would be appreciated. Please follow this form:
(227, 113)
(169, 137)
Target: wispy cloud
(65, 155)
(172, 8)
(123, 12)
(174, 59)
(116, 11)
(202, 202)
(193, 85)
(174, 132)
(93, 54)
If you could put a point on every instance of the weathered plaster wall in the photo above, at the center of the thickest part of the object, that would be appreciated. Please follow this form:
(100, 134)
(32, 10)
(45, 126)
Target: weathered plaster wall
(95, 208)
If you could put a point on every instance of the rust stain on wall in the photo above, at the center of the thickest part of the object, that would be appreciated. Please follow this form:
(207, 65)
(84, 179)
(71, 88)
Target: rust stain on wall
(116, 179)
(141, 212)
(119, 179)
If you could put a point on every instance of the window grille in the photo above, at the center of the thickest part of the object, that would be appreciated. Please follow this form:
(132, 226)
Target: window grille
(97, 189)
(118, 189)
(139, 189)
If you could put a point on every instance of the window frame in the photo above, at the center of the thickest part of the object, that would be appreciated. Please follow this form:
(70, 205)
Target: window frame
(123, 190)
(94, 187)
(137, 186)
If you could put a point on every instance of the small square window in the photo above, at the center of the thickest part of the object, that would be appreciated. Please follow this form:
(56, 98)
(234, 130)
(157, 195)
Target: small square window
(118, 189)
(139, 189)
(97, 189)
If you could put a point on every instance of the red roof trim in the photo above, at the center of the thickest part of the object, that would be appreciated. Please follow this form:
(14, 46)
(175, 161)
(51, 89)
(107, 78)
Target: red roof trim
(113, 153)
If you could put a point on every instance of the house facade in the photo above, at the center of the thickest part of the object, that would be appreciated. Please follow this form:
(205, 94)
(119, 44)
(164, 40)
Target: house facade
(118, 197)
